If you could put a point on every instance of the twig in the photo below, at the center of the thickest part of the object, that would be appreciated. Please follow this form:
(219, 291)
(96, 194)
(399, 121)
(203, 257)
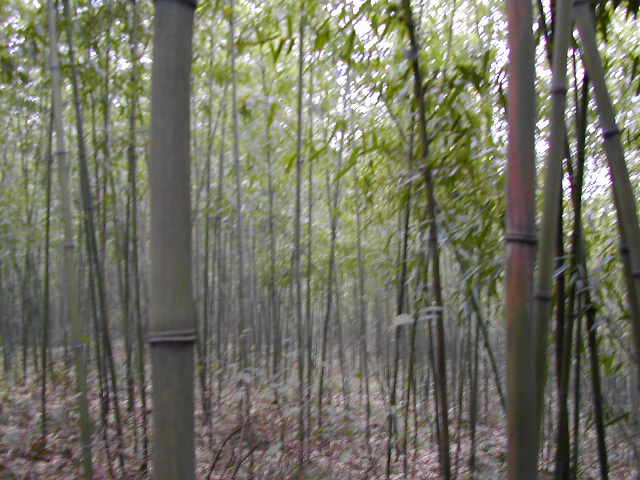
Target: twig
(253, 449)
(219, 452)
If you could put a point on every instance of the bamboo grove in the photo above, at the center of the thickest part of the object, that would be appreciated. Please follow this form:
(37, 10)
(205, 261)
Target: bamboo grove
(303, 239)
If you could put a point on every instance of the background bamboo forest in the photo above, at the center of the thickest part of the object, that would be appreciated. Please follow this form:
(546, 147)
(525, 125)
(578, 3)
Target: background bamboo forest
(341, 239)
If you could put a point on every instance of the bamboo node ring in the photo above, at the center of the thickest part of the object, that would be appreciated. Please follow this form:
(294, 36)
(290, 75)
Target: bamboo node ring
(611, 132)
(543, 296)
(521, 237)
(188, 3)
(172, 336)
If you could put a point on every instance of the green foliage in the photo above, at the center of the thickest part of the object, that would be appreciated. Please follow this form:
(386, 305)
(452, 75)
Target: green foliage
(464, 85)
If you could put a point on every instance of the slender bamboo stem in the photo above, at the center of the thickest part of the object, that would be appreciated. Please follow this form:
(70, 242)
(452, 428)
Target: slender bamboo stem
(297, 274)
(70, 271)
(552, 194)
(434, 249)
(623, 196)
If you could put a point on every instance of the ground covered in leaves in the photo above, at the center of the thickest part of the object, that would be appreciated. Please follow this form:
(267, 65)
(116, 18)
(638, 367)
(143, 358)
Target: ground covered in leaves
(263, 446)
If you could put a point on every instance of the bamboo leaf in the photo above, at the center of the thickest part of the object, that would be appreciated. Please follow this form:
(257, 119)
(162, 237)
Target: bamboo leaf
(403, 319)
(560, 270)
(321, 39)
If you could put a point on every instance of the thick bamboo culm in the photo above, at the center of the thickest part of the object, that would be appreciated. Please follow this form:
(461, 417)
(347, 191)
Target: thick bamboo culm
(172, 314)
(522, 392)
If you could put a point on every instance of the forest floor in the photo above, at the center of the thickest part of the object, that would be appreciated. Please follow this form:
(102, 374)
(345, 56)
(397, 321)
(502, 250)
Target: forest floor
(268, 445)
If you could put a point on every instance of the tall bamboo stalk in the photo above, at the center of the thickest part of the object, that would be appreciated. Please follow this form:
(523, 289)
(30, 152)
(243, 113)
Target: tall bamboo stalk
(523, 403)
(581, 101)
(434, 249)
(404, 217)
(623, 196)
(70, 272)
(96, 271)
(362, 314)
(243, 320)
(276, 337)
(220, 263)
(46, 297)
(333, 198)
(583, 304)
(203, 348)
(172, 314)
(552, 192)
(309, 253)
(133, 235)
(297, 239)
